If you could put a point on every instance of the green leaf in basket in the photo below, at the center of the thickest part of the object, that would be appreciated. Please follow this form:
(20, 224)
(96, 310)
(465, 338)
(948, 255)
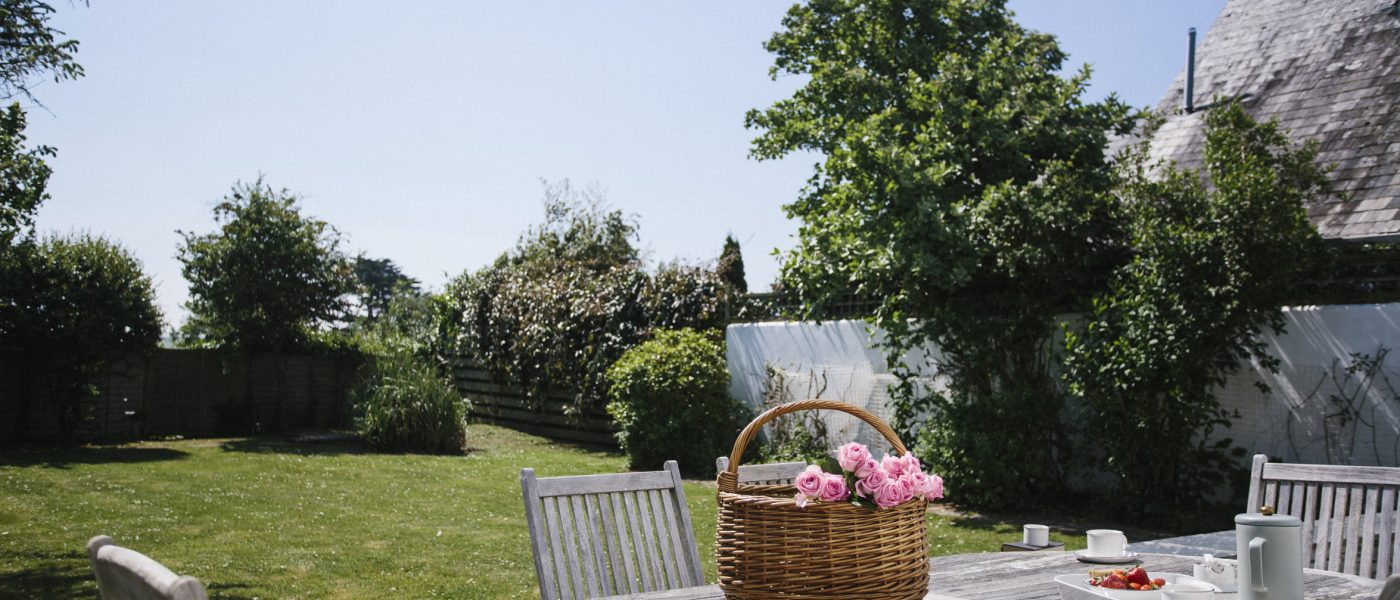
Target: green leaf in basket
(863, 502)
(830, 465)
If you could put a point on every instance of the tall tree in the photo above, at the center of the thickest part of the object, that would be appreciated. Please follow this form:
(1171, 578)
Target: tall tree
(731, 265)
(965, 185)
(377, 282)
(267, 278)
(74, 305)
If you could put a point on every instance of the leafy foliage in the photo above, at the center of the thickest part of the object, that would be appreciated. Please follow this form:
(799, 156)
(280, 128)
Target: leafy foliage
(1215, 254)
(563, 306)
(409, 324)
(69, 307)
(24, 178)
(267, 279)
(965, 185)
(731, 266)
(407, 406)
(670, 396)
(377, 282)
(29, 47)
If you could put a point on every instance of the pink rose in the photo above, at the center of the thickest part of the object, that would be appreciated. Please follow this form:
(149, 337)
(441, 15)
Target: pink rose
(906, 488)
(911, 463)
(801, 500)
(890, 493)
(934, 490)
(809, 482)
(892, 465)
(834, 489)
(919, 481)
(864, 469)
(852, 455)
(872, 481)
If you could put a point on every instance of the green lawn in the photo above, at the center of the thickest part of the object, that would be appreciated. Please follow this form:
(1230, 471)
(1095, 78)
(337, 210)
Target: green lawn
(262, 518)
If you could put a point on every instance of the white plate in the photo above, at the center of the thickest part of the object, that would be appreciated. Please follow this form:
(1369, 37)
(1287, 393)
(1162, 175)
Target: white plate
(1124, 558)
(1076, 587)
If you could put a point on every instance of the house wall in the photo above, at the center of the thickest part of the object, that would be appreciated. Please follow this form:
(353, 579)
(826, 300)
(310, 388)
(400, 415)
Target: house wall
(836, 360)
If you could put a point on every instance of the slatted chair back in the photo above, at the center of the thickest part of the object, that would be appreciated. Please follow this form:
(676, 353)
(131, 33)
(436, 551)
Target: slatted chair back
(125, 574)
(1349, 514)
(769, 474)
(603, 535)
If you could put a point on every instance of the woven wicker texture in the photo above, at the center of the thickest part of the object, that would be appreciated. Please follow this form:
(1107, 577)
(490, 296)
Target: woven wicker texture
(767, 548)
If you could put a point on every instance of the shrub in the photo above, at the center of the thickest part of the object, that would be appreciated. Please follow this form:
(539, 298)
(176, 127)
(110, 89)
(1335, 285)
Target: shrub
(407, 406)
(559, 309)
(70, 307)
(670, 396)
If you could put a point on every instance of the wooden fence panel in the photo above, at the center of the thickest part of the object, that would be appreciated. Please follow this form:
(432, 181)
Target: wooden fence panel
(194, 393)
(507, 405)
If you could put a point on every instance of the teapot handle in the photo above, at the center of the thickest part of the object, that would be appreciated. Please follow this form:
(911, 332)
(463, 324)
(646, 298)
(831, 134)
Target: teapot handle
(1256, 565)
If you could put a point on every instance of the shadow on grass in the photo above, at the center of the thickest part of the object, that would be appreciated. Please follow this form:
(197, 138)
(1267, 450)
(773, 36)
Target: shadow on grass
(47, 575)
(313, 444)
(284, 445)
(231, 591)
(61, 457)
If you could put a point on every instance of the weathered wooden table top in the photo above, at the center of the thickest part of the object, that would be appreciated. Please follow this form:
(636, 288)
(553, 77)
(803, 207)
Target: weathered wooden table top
(1031, 576)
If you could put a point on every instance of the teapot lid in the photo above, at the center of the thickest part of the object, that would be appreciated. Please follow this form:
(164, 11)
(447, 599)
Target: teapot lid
(1266, 518)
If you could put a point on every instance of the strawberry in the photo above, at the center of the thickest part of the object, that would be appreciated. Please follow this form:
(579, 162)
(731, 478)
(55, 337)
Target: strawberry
(1139, 576)
(1114, 583)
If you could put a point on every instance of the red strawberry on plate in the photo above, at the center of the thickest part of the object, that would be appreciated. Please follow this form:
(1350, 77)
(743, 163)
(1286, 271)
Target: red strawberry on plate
(1139, 576)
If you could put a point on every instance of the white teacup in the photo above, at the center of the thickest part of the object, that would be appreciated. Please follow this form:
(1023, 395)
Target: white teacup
(1036, 535)
(1188, 590)
(1107, 542)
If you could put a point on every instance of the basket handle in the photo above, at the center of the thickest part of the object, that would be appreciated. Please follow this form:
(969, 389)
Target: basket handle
(729, 480)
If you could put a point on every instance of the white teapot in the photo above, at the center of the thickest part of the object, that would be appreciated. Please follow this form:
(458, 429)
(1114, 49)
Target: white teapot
(1270, 555)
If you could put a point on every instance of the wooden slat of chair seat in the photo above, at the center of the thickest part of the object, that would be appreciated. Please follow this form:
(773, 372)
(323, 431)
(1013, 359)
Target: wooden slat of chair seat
(1348, 513)
(774, 473)
(605, 535)
(125, 574)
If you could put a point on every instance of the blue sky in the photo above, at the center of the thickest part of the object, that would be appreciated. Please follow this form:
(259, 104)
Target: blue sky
(422, 130)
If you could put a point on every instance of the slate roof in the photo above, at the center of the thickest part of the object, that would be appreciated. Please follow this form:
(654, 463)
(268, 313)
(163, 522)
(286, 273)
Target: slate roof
(1327, 70)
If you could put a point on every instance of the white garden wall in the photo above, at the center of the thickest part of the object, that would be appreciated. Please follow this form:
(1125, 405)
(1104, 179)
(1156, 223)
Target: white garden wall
(836, 360)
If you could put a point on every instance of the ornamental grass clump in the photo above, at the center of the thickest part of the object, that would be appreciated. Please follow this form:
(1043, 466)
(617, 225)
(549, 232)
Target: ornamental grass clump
(407, 406)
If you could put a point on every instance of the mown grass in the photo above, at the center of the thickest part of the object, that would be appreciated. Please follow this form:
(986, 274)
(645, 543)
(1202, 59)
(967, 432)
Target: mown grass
(264, 518)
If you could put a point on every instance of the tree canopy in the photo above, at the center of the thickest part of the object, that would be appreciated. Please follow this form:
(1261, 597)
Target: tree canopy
(377, 282)
(268, 278)
(24, 178)
(965, 185)
(731, 265)
(30, 48)
(1216, 252)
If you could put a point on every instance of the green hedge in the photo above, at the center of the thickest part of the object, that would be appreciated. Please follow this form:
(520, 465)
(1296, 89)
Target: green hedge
(670, 396)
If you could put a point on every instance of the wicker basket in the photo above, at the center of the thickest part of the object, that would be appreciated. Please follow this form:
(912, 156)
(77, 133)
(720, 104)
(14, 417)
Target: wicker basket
(769, 549)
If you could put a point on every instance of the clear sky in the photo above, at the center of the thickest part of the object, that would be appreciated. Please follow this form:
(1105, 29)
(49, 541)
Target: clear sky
(422, 129)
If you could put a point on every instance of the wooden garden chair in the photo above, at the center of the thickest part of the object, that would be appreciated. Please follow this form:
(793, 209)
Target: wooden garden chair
(769, 474)
(1349, 514)
(604, 535)
(125, 574)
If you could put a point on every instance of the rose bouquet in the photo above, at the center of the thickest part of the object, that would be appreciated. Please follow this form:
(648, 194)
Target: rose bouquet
(891, 481)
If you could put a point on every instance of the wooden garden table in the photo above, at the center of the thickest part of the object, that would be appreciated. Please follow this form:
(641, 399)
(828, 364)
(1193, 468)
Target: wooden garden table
(1031, 576)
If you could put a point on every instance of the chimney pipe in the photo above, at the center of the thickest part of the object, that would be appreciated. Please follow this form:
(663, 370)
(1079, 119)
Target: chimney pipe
(1191, 70)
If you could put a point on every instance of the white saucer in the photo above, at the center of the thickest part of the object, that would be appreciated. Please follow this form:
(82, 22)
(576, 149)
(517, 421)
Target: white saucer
(1126, 557)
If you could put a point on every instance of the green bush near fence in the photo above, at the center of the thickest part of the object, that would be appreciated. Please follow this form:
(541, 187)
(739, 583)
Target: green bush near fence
(407, 406)
(670, 396)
